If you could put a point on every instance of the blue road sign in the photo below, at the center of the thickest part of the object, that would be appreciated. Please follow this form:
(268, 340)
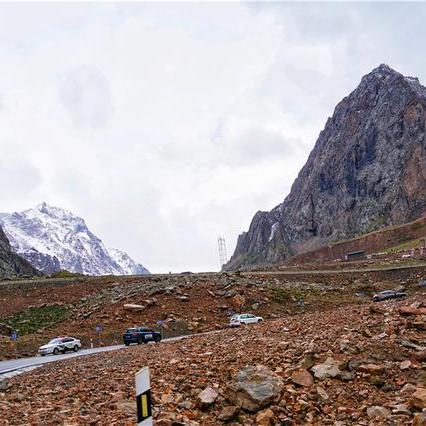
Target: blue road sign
(14, 335)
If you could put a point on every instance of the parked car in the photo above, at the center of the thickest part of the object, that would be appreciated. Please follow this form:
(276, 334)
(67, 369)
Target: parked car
(388, 294)
(140, 335)
(243, 319)
(60, 344)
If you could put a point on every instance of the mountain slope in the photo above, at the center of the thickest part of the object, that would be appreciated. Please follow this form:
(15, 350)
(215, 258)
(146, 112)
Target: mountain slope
(10, 263)
(366, 171)
(52, 239)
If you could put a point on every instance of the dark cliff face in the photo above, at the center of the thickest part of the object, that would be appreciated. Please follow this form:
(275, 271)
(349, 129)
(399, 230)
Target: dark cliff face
(10, 263)
(366, 171)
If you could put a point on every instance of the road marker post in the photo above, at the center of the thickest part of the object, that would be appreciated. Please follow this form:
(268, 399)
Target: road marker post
(143, 397)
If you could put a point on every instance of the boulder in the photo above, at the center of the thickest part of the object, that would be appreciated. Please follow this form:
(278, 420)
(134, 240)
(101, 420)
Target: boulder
(265, 417)
(409, 310)
(255, 387)
(371, 368)
(378, 413)
(419, 419)
(329, 369)
(302, 378)
(207, 397)
(418, 399)
(133, 307)
(3, 384)
(228, 413)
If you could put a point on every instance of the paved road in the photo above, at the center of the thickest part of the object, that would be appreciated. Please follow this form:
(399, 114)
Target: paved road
(23, 363)
(336, 271)
(16, 364)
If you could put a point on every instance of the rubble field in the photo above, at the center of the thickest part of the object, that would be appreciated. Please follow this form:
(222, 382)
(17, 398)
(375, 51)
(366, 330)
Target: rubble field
(355, 364)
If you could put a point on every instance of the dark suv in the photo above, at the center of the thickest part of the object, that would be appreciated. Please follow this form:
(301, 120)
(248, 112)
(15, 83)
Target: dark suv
(140, 335)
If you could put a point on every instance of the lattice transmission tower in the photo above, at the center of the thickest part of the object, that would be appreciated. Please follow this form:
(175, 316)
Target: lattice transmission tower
(223, 258)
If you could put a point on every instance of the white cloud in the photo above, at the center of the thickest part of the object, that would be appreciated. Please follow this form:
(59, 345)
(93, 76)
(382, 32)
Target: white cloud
(165, 125)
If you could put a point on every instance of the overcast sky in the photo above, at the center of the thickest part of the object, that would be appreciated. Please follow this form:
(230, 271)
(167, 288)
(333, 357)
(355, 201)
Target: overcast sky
(166, 125)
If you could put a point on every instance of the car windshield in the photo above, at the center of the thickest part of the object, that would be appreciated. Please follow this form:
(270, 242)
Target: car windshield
(235, 317)
(131, 330)
(54, 341)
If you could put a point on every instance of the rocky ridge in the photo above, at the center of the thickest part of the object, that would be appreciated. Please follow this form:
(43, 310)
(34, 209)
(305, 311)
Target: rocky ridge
(366, 171)
(11, 264)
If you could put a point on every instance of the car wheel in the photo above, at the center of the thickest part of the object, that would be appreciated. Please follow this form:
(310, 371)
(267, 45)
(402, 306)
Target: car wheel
(259, 320)
(55, 351)
(158, 339)
(126, 343)
(42, 354)
(75, 348)
(139, 342)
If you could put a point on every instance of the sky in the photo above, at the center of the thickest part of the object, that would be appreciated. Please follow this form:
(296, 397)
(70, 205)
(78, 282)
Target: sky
(166, 125)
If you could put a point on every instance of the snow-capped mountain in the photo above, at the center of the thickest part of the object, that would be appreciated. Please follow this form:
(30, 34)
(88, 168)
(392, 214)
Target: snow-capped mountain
(51, 239)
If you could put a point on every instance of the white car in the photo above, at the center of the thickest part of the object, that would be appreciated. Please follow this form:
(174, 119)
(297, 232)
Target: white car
(243, 319)
(60, 344)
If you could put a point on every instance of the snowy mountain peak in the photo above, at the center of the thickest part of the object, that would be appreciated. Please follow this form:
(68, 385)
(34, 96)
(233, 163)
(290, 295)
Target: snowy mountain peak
(52, 238)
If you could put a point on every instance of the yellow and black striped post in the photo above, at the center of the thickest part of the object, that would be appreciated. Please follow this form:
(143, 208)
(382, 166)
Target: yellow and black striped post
(143, 397)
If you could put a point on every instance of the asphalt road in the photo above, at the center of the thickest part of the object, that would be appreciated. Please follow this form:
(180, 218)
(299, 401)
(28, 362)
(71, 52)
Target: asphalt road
(23, 363)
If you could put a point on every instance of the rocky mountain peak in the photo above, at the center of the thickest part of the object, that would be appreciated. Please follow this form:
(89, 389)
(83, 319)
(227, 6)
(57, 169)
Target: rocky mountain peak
(366, 171)
(52, 238)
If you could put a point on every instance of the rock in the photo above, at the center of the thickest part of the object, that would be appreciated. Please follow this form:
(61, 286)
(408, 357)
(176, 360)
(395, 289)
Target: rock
(418, 399)
(401, 409)
(265, 417)
(371, 368)
(409, 310)
(400, 288)
(405, 365)
(421, 379)
(255, 387)
(183, 298)
(239, 300)
(3, 384)
(185, 404)
(329, 369)
(302, 378)
(255, 306)
(322, 393)
(419, 419)
(126, 406)
(377, 412)
(5, 330)
(133, 307)
(207, 397)
(228, 413)
(377, 381)
(408, 389)
(422, 283)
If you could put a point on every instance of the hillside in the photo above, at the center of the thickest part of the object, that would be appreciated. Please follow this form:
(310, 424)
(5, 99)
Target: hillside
(391, 239)
(337, 358)
(52, 238)
(366, 171)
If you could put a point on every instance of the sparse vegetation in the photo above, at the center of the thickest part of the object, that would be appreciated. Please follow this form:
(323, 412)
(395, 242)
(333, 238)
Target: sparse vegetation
(32, 319)
(65, 274)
